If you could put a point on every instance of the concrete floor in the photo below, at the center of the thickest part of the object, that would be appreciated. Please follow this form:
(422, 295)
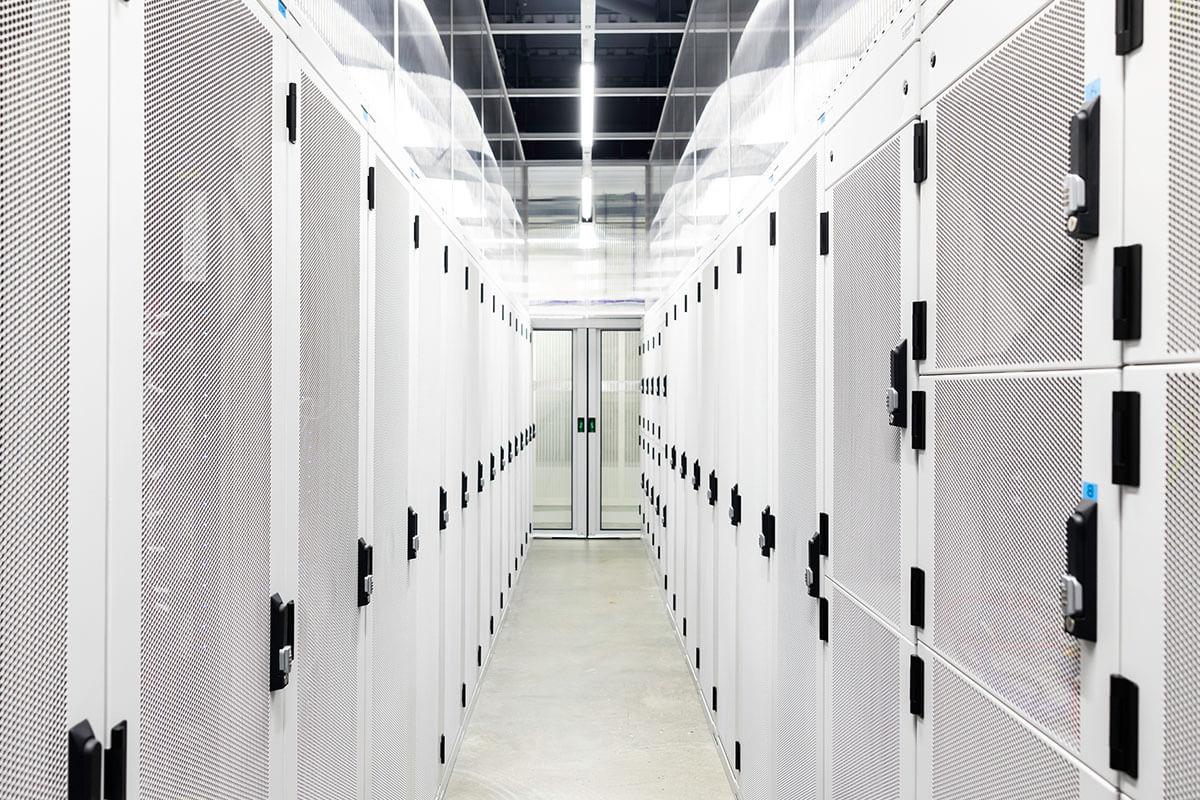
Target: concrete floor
(588, 695)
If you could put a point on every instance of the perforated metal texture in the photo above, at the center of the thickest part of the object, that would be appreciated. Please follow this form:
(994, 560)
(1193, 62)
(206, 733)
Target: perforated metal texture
(866, 704)
(866, 548)
(1181, 564)
(978, 751)
(392, 627)
(35, 214)
(326, 671)
(1009, 281)
(1001, 498)
(797, 727)
(206, 446)
(1183, 186)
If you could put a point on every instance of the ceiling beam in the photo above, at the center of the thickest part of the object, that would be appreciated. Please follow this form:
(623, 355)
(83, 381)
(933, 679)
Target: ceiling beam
(567, 136)
(567, 28)
(573, 91)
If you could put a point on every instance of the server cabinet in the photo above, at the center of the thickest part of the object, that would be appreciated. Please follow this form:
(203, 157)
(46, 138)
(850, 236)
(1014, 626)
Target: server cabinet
(1159, 592)
(970, 745)
(450, 521)
(53, 518)
(197, 501)
(871, 728)
(392, 619)
(871, 260)
(705, 646)
(795, 486)
(998, 509)
(690, 508)
(426, 475)
(1003, 284)
(485, 478)
(332, 208)
(1160, 196)
(753, 265)
(473, 514)
(726, 534)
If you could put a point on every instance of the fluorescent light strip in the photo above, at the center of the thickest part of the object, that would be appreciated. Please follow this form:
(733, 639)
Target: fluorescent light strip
(587, 104)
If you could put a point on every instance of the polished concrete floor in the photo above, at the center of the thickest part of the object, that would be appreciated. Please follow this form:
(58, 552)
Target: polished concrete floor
(588, 695)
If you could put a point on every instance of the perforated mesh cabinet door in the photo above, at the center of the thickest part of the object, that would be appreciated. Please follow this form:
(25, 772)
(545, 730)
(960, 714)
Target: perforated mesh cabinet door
(326, 670)
(728, 337)
(1162, 122)
(1004, 283)
(35, 213)
(1160, 595)
(996, 499)
(870, 745)
(798, 725)
(755, 703)
(971, 746)
(393, 603)
(452, 332)
(206, 436)
(706, 402)
(870, 534)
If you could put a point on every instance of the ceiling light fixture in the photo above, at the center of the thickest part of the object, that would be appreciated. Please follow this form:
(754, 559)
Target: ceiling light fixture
(587, 105)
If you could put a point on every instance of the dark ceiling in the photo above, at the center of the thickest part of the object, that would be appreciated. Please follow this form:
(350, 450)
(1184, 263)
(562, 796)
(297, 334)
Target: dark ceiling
(535, 65)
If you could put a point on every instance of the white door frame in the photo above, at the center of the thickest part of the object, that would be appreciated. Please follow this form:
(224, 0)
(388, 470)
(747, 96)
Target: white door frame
(585, 459)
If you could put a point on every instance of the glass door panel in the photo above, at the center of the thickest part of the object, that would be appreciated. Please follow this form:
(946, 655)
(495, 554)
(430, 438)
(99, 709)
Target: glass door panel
(620, 371)
(554, 399)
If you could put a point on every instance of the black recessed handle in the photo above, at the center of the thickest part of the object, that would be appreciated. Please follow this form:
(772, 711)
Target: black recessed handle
(1077, 588)
(84, 761)
(897, 393)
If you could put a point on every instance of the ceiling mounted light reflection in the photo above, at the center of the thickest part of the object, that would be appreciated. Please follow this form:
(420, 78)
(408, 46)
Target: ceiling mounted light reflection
(586, 209)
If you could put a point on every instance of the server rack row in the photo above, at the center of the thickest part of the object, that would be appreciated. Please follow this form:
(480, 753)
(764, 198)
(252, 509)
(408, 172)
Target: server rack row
(932, 536)
(266, 421)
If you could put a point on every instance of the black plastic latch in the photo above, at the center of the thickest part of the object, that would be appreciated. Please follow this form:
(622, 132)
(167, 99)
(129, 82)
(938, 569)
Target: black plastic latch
(674, 459)
(116, 763)
(766, 539)
(1077, 587)
(85, 757)
(916, 597)
(772, 234)
(443, 509)
(283, 640)
(371, 188)
(823, 528)
(897, 393)
(683, 469)
(492, 462)
(812, 573)
(696, 475)
(1127, 292)
(1081, 186)
(414, 538)
(466, 491)
(920, 312)
(823, 619)
(712, 488)
(479, 484)
(735, 506)
(1126, 438)
(417, 232)
(366, 571)
(916, 686)
(1123, 726)
(824, 233)
(1131, 16)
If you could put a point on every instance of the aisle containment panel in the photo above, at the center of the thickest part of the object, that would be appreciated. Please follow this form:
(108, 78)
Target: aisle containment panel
(328, 618)
(210, 328)
(53, 403)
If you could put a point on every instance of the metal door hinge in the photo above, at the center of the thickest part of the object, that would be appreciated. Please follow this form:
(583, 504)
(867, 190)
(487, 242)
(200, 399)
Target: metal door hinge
(464, 695)
(920, 152)
(772, 234)
(714, 699)
(1127, 292)
(417, 232)
(824, 233)
(916, 597)
(739, 259)
(916, 686)
(1123, 725)
(1131, 15)
(445, 259)
(283, 640)
(442, 749)
(371, 188)
(918, 420)
(366, 570)
(823, 619)
(920, 311)
(292, 112)
(737, 756)
(823, 528)
(1126, 438)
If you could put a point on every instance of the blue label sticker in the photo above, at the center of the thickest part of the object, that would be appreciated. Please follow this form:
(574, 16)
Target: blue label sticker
(1090, 491)
(1091, 91)
(821, 119)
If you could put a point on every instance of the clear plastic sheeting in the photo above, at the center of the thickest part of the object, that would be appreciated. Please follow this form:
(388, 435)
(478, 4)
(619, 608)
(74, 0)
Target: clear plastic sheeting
(429, 77)
(752, 93)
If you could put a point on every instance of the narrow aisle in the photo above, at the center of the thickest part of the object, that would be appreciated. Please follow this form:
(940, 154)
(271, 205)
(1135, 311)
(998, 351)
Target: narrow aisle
(587, 695)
